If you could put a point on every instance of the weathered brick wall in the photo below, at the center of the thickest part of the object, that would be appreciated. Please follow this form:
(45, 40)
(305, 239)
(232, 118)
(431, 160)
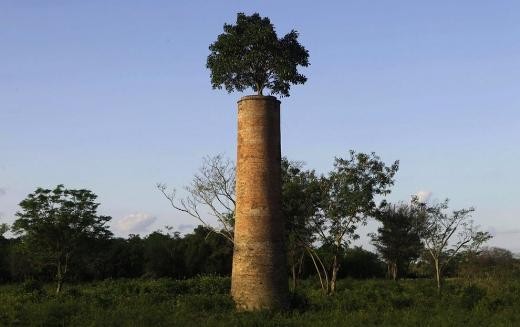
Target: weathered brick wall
(259, 276)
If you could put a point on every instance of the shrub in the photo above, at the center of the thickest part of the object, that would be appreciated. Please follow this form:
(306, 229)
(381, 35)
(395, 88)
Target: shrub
(32, 286)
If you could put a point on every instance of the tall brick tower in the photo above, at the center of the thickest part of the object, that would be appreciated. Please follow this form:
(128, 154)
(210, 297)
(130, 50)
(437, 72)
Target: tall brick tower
(249, 55)
(259, 277)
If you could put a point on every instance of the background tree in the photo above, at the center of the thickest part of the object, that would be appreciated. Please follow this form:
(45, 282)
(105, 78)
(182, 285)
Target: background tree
(163, 255)
(398, 239)
(123, 258)
(57, 224)
(490, 262)
(206, 253)
(445, 235)
(210, 194)
(360, 263)
(250, 54)
(351, 191)
(301, 199)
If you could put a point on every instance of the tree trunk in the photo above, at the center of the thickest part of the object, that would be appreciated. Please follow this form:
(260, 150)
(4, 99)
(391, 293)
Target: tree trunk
(325, 286)
(300, 264)
(61, 272)
(438, 275)
(59, 278)
(334, 277)
(58, 287)
(394, 271)
(293, 271)
(259, 89)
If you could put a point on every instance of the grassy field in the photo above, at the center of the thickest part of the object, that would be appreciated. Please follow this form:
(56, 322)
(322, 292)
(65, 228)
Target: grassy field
(204, 301)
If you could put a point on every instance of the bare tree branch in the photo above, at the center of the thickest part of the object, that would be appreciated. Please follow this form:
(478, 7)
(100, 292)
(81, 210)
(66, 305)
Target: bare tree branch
(213, 190)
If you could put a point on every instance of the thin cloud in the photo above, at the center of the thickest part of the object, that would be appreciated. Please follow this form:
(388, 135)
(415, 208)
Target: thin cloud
(423, 196)
(136, 223)
(2, 191)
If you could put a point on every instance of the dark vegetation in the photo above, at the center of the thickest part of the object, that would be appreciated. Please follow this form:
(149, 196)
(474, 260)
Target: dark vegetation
(161, 254)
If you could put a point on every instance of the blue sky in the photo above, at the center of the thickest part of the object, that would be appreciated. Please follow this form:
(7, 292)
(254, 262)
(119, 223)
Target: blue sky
(114, 96)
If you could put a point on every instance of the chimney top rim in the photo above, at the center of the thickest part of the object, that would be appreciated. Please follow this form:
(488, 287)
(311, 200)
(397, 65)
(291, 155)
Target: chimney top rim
(259, 97)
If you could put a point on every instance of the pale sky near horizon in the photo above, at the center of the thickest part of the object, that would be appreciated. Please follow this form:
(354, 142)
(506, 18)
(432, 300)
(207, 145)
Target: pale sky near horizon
(114, 96)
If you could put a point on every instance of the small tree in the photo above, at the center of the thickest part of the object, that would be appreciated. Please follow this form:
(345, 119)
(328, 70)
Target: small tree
(250, 54)
(56, 224)
(397, 240)
(301, 198)
(445, 235)
(352, 188)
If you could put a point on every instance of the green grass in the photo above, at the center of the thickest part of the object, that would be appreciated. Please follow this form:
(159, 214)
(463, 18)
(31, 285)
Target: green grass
(204, 301)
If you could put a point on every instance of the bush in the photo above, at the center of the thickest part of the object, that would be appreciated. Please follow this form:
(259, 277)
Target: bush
(471, 295)
(205, 301)
(32, 286)
(209, 285)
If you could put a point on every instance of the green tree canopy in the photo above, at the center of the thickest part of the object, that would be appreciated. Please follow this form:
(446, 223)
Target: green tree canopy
(56, 224)
(352, 189)
(301, 198)
(250, 54)
(398, 238)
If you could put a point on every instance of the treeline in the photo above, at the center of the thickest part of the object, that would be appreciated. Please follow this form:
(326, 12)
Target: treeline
(202, 252)
(59, 235)
(159, 254)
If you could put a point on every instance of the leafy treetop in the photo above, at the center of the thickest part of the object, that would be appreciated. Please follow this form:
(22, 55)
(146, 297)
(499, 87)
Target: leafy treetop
(250, 54)
(58, 224)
